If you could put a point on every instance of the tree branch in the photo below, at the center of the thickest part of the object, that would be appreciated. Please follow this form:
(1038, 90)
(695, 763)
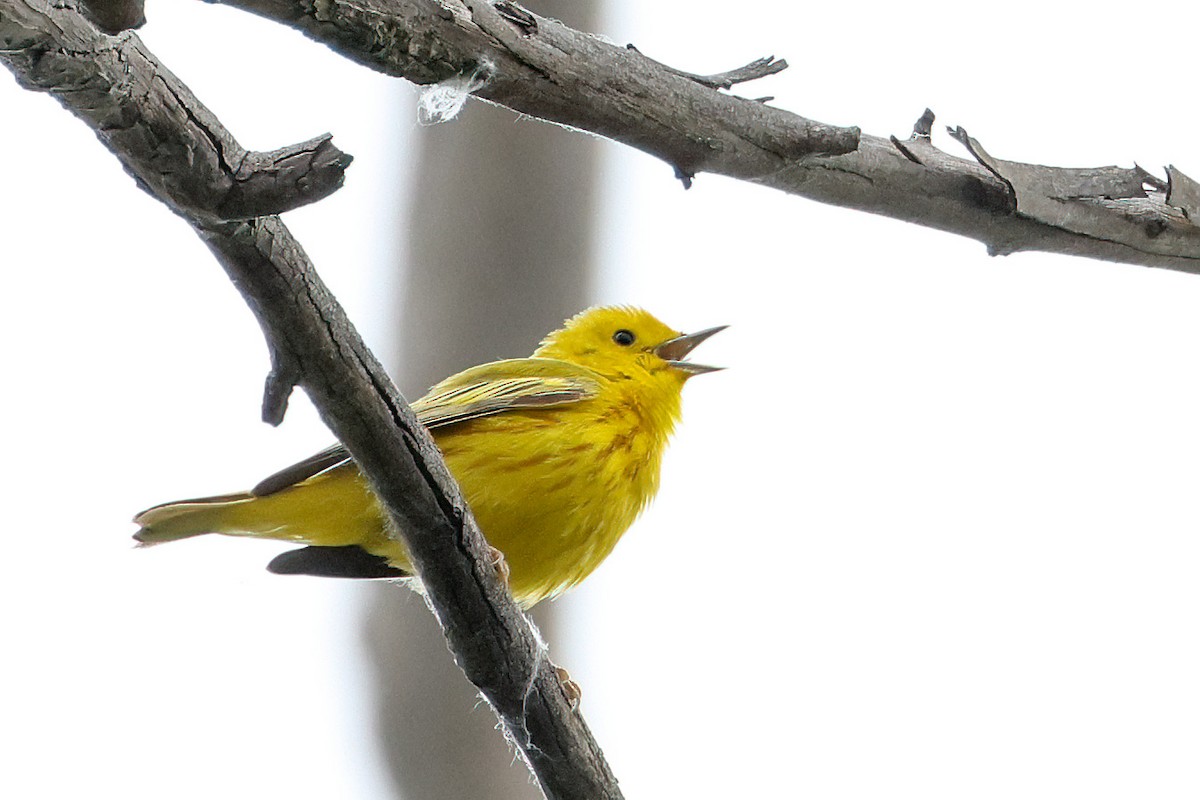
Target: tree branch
(180, 153)
(539, 67)
(165, 138)
(547, 70)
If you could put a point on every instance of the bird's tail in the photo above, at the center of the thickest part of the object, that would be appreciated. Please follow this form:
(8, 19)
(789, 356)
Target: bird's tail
(182, 519)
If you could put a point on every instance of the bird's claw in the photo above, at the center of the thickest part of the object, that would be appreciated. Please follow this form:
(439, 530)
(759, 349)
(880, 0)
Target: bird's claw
(570, 688)
(499, 564)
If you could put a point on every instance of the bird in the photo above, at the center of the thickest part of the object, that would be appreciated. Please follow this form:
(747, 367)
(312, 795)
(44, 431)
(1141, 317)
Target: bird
(556, 455)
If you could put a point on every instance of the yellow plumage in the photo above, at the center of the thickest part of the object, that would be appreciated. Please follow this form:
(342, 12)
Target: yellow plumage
(556, 455)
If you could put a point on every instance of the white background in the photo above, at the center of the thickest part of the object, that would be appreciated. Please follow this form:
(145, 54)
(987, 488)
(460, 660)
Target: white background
(933, 534)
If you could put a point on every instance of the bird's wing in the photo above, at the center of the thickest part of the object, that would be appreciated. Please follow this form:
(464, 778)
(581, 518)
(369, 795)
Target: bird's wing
(519, 383)
(330, 457)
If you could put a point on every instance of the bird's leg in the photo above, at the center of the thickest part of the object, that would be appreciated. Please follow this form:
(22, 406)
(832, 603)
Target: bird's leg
(570, 688)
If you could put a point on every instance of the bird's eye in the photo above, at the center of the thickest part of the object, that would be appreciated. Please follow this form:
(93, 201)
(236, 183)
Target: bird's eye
(624, 337)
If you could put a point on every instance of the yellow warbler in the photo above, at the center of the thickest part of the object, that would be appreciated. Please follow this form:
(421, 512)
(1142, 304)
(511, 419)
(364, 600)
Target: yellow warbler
(556, 455)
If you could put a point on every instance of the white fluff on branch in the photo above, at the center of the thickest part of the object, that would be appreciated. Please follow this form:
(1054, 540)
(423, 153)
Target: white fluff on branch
(441, 102)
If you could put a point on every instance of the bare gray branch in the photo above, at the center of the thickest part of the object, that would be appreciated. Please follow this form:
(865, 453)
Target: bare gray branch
(544, 69)
(153, 123)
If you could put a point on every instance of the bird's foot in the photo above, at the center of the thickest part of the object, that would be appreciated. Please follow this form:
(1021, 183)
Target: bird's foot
(570, 688)
(499, 564)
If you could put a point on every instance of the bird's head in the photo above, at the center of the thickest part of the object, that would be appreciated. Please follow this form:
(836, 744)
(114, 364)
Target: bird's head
(624, 342)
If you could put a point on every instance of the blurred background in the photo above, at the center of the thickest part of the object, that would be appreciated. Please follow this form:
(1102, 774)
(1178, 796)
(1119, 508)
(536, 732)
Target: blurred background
(934, 533)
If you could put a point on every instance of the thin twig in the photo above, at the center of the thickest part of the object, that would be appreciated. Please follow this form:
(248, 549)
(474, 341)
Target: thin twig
(759, 68)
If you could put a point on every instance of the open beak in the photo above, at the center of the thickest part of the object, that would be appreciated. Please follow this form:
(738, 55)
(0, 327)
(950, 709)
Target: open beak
(673, 351)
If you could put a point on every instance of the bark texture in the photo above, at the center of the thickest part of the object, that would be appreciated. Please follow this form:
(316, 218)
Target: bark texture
(155, 125)
(539, 67)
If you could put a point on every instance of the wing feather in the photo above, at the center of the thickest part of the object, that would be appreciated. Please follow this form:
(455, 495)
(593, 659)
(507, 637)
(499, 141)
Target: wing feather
(519, 383)
(330, 457)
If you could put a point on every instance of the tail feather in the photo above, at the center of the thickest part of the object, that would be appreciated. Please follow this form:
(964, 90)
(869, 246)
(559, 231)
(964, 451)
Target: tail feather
(183, 519)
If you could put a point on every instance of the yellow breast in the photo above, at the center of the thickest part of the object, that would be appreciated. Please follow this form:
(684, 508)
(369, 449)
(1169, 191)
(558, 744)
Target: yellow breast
(555, 492)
